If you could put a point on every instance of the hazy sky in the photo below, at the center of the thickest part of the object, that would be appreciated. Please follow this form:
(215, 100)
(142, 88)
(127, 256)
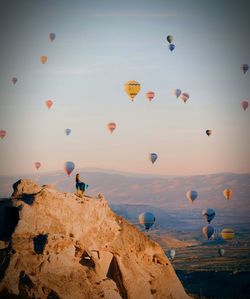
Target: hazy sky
(99, 46)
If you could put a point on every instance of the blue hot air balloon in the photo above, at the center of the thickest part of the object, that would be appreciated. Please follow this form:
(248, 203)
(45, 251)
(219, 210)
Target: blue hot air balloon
(170, 38)
(69, 167)
(208, 214)
(68, 131)
(147, 219)
(153, 157)
(191, 195)
(177, 92)
(244, 67)
(208, 231)
(52, 37)
(171, 47)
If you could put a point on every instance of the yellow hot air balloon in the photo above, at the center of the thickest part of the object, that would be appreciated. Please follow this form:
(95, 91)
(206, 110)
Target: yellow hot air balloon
(228, 193)
(132, 88)
(43, 59)
(227, 234)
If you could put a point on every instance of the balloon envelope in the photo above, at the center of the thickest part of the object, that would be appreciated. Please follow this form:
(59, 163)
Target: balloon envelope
(244, 67)
(69, 167)
(147, 219)
(227, 193)
(49, 103)
(43, 59)
(150, 95)
(14, 80)
(208, 132)
(208, 231)
(153, 157)
(172, 253)
(52, 36)
(37, 165)
(171, 47)
(191, 195)
(227, 234)
(221, 251)
(184, 97)
(170, 38)
(208, 214)
(177, 92)
(68, 131)
(132, 88)
(244, 104)
(2, 134)
(111, 127)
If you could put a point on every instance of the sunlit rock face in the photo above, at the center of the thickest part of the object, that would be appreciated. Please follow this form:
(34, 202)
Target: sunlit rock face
(63, 246)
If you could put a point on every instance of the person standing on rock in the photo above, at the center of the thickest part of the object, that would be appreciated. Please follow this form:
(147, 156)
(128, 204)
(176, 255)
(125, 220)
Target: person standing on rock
(81, 187)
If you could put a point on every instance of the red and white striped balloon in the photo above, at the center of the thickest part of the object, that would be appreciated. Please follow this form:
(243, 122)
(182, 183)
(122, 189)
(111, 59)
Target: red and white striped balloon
(49, 103)
(2, 134)
(37, 165)
(244, 104)
(111, 127)
(150, 95)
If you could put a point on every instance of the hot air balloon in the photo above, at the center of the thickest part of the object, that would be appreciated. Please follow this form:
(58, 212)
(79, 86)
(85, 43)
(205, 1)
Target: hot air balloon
(153, 157)
(2, 134)
(171, 47)
(191, 195)
(172, 253)
(244, 104)
(147, 219)
(208, 214)
(184, 96)
(244, 67)
(150, 95)
(14, 80)
(208, 231)
(111, 127)
(69, 167)
(227, 234)
(37, 165)
(52, 37)
(132, 88)
(49, 103)
(227, 193)
(177, 92)
(43, 59)
(208, 132)
(221, 251)
(170, 38)
(68, 131)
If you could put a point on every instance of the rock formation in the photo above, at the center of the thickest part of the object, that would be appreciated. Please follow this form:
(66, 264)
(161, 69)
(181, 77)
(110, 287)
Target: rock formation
(68, 247)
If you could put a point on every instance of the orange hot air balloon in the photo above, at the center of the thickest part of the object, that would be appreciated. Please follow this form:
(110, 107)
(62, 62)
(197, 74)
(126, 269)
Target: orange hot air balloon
(111, 127)
(227, 193)
(150, 95)
(2, 134)
(37, 165)
(49, 103)
(43, 59)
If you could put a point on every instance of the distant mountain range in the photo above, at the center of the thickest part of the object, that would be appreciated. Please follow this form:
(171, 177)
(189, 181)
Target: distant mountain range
(162, 192)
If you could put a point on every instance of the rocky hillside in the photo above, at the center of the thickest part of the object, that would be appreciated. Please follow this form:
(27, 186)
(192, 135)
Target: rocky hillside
(68, 247)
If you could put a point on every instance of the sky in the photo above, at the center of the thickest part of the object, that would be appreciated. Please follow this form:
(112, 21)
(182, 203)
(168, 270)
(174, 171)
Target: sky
(99, 46)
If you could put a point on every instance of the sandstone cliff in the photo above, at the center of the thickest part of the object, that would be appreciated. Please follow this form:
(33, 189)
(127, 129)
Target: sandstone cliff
(68, 247)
